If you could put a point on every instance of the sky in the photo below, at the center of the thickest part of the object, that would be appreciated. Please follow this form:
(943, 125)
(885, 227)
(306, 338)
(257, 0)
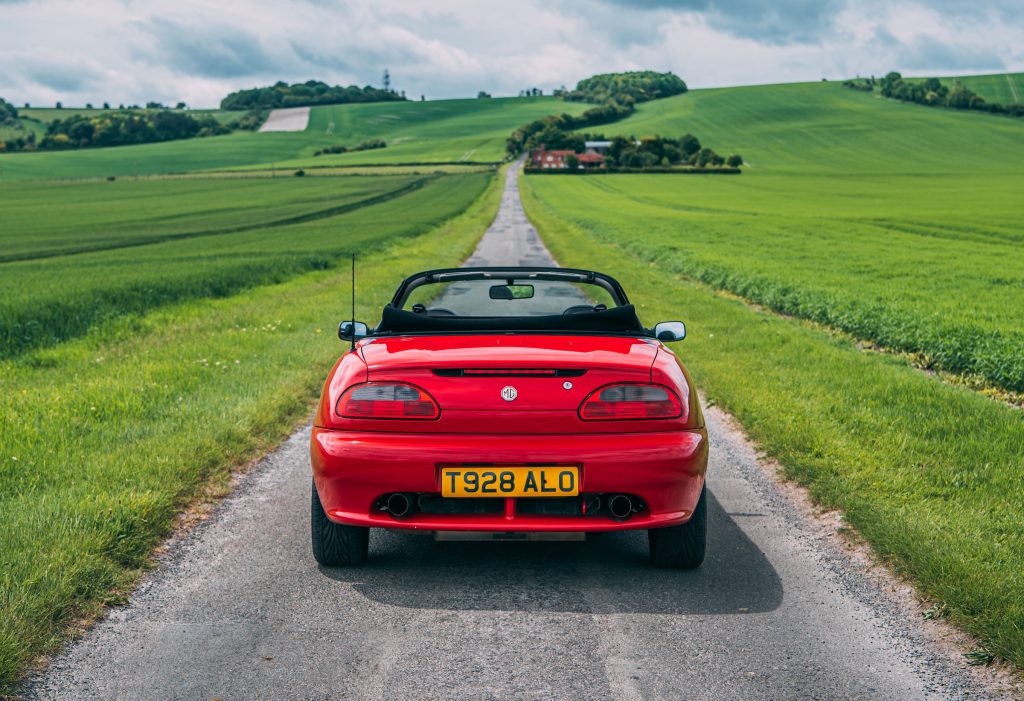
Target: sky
(135, 51)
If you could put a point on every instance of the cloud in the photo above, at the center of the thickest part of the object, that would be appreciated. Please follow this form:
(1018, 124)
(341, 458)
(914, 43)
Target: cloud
(64, 78)
(779, 22)
(166, 50)
(926, 53)
(215, 51)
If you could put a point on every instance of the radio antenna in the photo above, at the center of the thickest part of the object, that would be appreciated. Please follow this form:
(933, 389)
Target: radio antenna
(353, 346)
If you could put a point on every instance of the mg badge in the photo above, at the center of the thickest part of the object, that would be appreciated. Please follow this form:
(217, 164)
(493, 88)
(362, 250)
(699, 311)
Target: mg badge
(509, 393)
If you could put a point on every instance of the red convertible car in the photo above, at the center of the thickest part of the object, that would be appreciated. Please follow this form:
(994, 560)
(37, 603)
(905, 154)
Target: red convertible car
(509, 403)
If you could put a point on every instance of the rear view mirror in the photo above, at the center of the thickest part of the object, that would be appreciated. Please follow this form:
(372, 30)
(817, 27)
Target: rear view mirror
(511, 292)
(352, 330)
(669, 331)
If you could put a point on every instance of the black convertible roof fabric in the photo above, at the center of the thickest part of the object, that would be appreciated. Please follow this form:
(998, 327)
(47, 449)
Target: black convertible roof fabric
(617, 320)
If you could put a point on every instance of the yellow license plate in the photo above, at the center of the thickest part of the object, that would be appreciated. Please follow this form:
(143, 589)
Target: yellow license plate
(510, 481)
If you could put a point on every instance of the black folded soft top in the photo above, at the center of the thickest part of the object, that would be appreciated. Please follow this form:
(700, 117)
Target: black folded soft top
(620, 319)
(617, 320)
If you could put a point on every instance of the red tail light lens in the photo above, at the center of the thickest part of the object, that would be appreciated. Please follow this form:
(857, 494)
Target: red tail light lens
(617, 402)
(387, 400)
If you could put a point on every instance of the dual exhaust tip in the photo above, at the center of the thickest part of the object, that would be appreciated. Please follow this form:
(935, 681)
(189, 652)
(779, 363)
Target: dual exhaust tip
(620, 506)
(401, 504)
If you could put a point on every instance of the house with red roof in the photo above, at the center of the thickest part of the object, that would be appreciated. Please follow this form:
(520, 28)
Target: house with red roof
(556, 158)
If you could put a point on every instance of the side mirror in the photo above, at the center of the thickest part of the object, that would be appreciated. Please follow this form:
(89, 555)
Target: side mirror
(670, 331)
(352, 330)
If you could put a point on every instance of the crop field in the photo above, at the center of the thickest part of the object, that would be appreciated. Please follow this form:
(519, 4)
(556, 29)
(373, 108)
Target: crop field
(180, 348)
(446, 131)
(47, 300)
(918, 253)
(911, 268)
(851, 214)
(89, 216)
(1001, 88)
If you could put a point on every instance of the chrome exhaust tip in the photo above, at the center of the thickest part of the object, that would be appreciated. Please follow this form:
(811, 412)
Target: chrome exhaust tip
(399, 504)
(620, 506)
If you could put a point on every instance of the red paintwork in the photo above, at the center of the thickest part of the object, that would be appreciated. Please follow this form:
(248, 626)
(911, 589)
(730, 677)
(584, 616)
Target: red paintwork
(357, 461)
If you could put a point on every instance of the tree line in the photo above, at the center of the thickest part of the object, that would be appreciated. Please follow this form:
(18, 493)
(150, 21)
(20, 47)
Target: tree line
(627, 87)
(660, 151)
(312, 92)
(8, 113)
(556, 131)
(933, 93)
(126, 128)
(368, 145)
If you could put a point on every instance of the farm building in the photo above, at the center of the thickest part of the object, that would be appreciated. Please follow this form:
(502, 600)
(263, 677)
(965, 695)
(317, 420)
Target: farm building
(542, 158)
(555, 158)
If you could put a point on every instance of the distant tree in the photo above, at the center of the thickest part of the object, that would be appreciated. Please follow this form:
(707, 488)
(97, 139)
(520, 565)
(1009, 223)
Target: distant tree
(637, 86)
(154, 105)
(689, 145)
(572, 162)
(619, 145)
(482, 95)
(59, 106)
(672, 153)
(88, 105)
(180, 106)
(734, 161)
(423, 98)
(639, 159)
(106, 105)
(28, 106)
(7, 111)
(121, 106)
(891, 79)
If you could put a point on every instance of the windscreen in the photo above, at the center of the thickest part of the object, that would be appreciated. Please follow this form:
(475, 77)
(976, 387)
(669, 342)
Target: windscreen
(507, 298)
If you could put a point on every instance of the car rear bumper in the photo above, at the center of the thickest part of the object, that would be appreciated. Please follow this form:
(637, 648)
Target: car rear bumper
(355, 471)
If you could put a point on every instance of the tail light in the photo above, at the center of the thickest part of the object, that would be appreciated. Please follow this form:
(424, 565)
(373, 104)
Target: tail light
(616, 402)
(387, 400)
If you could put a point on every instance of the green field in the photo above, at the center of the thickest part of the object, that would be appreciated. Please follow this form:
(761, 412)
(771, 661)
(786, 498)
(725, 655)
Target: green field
(1001, 88)
(103, 439)
(837, 220)
(853, 215)
(445, 131)
(212, 252)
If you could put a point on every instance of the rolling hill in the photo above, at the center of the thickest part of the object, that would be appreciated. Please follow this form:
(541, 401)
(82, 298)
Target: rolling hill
(1002, 88)
(417, 132)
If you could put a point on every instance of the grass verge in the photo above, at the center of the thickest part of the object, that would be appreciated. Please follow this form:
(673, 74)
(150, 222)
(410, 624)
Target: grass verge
(930, 474)
(103, 440)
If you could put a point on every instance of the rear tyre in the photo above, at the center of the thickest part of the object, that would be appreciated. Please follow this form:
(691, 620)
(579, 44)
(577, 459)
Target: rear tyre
(334, 544)
(682, 547)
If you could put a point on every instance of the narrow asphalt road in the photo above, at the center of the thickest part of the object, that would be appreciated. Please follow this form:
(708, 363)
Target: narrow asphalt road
(239, 610)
